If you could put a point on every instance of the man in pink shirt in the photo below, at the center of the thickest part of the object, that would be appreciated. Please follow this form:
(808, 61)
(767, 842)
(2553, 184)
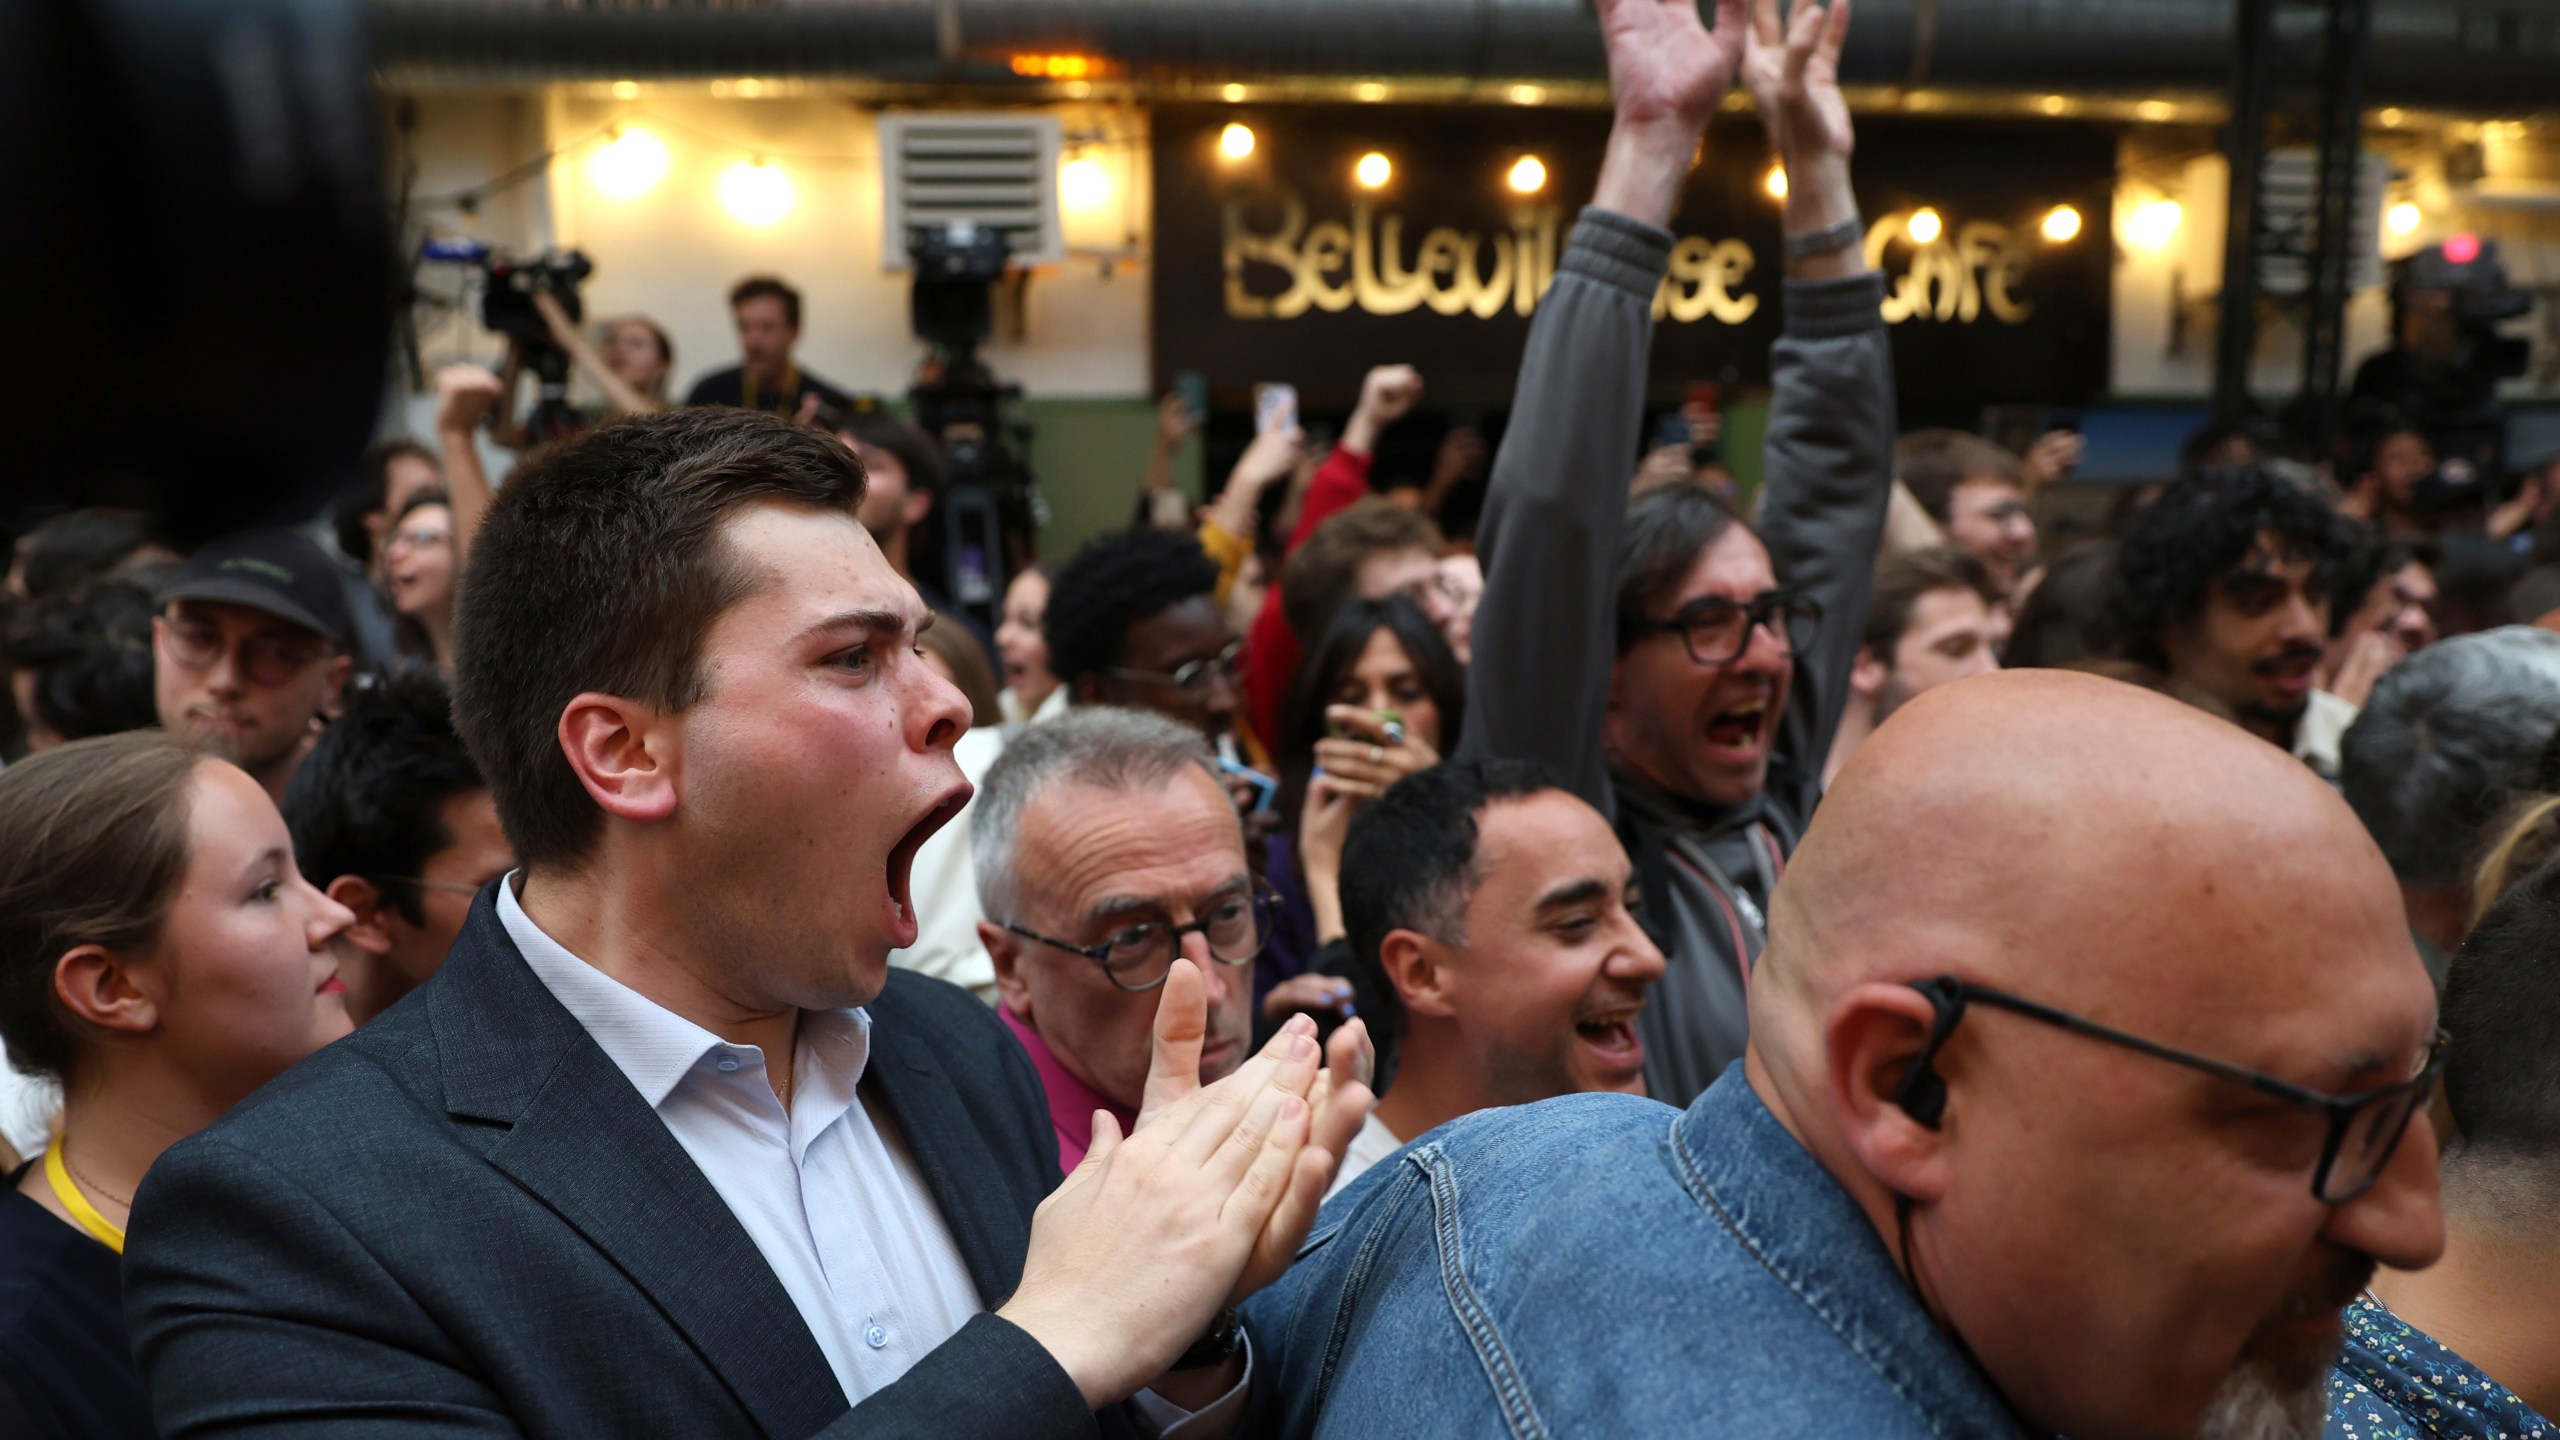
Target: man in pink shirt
(1105, 846)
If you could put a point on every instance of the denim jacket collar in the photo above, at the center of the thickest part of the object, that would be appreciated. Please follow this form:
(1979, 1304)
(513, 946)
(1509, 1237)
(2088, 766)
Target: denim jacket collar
(1752, 1177)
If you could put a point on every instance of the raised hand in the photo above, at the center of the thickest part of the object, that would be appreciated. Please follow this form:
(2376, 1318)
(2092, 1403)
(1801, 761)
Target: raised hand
(1667, 72)
(1386, 394)
(464, 396)
(1793, 74)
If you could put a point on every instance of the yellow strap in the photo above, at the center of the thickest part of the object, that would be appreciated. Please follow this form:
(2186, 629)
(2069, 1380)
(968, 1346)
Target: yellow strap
(85, 1214)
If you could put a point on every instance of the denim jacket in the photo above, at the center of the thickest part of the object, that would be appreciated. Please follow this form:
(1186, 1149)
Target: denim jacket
(1602, 1265)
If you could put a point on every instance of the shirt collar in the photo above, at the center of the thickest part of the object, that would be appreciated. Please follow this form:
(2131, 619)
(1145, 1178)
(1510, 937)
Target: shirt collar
(1071, 1101)
(655, 1048)
(1755, 1179)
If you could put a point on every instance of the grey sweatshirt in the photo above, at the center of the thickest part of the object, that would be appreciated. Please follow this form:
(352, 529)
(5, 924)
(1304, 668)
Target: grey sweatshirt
(1545, 632)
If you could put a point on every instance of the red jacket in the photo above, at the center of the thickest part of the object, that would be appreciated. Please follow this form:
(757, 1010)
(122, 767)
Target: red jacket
(1271, 650)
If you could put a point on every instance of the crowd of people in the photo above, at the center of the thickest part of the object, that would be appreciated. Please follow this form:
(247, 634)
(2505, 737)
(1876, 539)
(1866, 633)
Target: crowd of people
(1555, 947)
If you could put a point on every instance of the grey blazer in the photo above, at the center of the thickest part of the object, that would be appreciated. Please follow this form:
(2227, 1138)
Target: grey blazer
(463, 1220)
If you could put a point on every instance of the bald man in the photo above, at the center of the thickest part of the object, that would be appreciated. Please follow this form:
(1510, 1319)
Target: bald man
(2085, 1085)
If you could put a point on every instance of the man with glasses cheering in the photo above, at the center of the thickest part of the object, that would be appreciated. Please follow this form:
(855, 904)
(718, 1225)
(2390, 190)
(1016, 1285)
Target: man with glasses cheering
(1133, 620)
(249, 652)
(1105, 847)
(1676, 668)
(2046, 1126)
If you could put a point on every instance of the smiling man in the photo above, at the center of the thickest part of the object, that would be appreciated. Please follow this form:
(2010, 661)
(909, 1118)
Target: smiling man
(1105, 848)
(1495, 914)
(1676, 668)
(2227, 586)
(665, 1147)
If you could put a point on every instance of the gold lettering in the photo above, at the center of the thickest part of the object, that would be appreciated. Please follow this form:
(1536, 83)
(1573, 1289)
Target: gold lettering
(1328, 246)
(1953, 279)
(1378, 278)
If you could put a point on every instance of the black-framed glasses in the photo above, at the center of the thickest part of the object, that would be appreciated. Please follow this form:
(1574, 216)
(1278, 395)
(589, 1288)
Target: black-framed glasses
(1193, 676)
(1140, 957)
(2364, 1128)
(1718, 630)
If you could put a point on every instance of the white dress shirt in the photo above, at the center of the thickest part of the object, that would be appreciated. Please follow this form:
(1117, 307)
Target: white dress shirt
(831, 1199)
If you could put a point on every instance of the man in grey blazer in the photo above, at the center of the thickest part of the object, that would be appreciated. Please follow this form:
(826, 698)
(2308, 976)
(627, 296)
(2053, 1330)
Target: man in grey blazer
(664, 1148)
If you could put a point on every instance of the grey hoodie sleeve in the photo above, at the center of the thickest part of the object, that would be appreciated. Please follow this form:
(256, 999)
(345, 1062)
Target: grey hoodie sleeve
(1545, 633)
(1829, 478)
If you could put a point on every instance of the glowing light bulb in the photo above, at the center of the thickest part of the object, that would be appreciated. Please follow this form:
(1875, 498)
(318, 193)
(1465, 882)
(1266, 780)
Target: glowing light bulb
(1233, 93)
(1371, 92)
(626, 89)
(1236, 141)
(2403, 218)
(1084, 184)
(1924, 226)
(1775, 182)
(1528, 95)
(1528, 175)
(628, 166)
(2053, 104)
(1372, 171)
(2155, 223)
(2061, 223)
(756, 193)
(2155, 110)
(2462, 247)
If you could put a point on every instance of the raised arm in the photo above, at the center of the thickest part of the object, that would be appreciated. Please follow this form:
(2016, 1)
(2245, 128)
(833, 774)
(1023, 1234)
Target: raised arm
(464, 395)
(566, 335)
(1829, 464)
(1545, 636)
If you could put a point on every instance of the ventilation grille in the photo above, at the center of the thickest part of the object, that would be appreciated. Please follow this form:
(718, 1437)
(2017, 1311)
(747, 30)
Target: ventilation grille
(999, 172)
(2288, 198)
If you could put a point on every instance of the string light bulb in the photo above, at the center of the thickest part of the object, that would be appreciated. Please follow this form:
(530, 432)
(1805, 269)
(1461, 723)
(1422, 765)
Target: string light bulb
(1084, 184)
(629, 165)
(1233, 93)
(1373, 170)
(1236, 141)
(2155, 223)
(1924, 226)
(2061, 224)
(756, 192)
(1775, 182)
(1528, 175)
(2403, 218)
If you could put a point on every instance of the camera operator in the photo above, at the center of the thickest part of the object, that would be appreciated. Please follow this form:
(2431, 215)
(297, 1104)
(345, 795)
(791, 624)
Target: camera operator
(765, 378)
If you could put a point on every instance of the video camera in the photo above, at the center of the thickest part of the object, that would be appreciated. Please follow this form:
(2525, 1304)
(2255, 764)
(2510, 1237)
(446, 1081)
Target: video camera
(990, 512)
(506, 308)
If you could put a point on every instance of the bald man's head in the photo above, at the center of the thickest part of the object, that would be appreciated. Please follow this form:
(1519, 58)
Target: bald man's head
(2111, 1233)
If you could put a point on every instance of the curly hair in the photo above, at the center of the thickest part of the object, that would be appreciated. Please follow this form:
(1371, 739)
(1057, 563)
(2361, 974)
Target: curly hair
(2200, 530)
(1114, 582)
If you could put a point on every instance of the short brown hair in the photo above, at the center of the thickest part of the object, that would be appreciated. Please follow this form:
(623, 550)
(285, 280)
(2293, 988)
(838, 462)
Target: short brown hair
(1932, 463)
(93, 843)
(600, 568)
(762, 287)
(1903, 579)
(1326, 567)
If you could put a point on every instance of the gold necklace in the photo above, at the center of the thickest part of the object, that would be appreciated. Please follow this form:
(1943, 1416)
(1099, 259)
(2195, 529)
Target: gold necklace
(125, 1201)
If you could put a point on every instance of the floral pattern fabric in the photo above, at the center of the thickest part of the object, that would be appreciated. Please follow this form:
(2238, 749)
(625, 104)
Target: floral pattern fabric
(2394, 1382)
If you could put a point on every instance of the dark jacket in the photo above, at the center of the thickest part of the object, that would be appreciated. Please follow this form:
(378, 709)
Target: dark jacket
(464, 1220)
(1546, 631)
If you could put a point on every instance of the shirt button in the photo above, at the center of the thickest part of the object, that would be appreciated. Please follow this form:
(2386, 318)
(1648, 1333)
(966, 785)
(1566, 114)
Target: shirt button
(728, 1064)
(876, 1336)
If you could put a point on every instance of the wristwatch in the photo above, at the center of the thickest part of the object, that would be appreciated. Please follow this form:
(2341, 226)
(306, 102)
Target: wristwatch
(1839, 236)
(1225, 1337)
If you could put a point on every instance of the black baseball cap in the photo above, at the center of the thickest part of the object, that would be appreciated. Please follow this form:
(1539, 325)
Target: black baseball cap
(277, 572)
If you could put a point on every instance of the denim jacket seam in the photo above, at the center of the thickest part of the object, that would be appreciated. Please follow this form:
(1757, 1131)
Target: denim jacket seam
(1695, 1181)
(1355, 1281)
(1510, 1389)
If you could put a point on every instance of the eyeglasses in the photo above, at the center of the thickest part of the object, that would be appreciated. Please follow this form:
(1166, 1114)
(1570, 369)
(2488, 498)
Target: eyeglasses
(1139, 958)
(2364, 1128)
(415, 540)
(1718, 630)
(1192, 677)
(266, 659)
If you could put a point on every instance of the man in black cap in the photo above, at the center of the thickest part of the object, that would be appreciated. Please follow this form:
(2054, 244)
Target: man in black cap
(249, 652)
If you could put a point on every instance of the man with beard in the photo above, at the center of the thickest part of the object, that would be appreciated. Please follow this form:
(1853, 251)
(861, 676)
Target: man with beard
(1678, 668)
(1495, 918)
(2227, 586)
(1932, 620)
(2046, 1128)
(249, 652)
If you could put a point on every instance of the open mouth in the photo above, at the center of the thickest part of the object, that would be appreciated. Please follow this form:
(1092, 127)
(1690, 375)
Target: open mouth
(902, 861)
(1741, 727)
(1613, 1034)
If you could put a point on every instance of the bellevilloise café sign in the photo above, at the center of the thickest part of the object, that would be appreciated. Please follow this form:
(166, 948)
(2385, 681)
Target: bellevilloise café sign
(1286, 264)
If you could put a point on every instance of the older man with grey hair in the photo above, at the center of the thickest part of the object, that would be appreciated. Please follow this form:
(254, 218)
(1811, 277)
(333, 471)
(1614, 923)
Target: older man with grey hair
(1105, 846)
(2450, 735)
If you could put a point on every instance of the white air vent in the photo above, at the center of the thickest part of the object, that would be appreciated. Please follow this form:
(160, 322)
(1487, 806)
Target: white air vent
(998, 171)
(2289, 187)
